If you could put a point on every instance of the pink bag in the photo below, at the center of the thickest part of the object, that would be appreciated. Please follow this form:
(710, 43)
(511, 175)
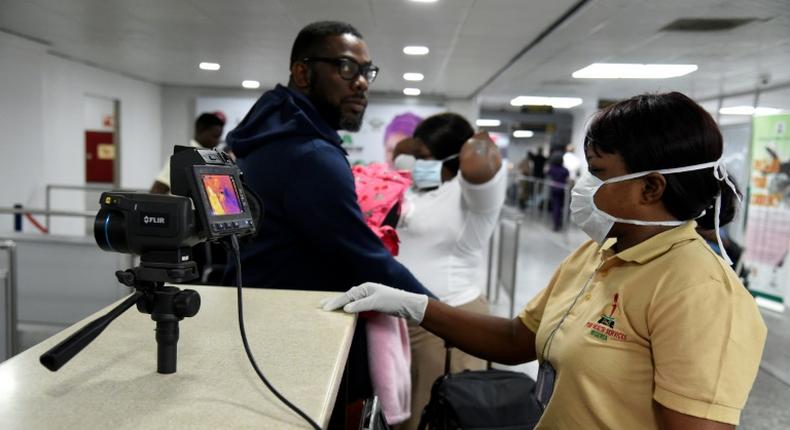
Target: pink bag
(379, 190)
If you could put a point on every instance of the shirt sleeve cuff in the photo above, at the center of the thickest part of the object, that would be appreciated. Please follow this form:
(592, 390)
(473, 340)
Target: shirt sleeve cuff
(531, 323)
(696, 408)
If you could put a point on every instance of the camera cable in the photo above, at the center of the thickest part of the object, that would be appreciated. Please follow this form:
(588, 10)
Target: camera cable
(237, 254)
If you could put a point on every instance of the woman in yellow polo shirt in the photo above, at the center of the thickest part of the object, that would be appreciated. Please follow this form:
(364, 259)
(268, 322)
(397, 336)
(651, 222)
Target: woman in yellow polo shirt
(644, 327)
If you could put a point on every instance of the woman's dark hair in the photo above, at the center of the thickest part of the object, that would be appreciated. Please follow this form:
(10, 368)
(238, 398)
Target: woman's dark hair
(444, 134)
(660, 131)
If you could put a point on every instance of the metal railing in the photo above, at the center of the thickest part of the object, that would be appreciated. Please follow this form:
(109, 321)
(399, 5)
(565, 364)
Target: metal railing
(18, 211)
(31, 211)
(503, 252)
(533, 196)
(11, 298)
(48, 196)
(507, 267)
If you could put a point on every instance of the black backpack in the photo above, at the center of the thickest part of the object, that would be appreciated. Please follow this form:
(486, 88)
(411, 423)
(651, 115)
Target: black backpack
(481, 400)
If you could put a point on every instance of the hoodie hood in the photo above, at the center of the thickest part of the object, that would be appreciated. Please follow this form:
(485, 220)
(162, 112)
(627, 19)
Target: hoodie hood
(281, 113)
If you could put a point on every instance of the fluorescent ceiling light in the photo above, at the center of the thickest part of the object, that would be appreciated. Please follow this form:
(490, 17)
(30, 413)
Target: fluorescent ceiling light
(413, 76)
(250, 84)
(416, 50)
(412, 91)
(523, 133)
(208, 66)
(748, 110)
(633, 71)
(555, 102)
(424, 1)
(488, 122)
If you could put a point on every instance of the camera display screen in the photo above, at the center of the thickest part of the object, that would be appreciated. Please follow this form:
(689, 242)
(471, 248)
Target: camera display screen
(222, 195)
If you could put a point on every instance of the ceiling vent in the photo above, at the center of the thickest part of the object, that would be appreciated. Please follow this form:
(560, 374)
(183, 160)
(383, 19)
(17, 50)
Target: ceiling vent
(706, 24)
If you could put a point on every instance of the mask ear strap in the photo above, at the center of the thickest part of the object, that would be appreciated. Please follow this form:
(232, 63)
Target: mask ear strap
(716, 224)
(720, 173)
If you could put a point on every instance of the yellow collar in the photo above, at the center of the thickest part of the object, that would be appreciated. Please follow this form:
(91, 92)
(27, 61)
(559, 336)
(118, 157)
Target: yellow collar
(653, 247)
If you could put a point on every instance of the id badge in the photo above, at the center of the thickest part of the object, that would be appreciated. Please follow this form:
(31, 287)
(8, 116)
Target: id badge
(544, 386)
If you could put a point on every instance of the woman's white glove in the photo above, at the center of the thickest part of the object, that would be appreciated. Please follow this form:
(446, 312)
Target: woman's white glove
(371, 296)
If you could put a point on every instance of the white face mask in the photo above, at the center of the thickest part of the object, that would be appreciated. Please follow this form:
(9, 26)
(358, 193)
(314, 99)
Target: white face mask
(425, 173)
(597, 223)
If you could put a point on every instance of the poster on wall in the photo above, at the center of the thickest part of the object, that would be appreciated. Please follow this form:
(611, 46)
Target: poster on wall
(384, 126)
(768, 219)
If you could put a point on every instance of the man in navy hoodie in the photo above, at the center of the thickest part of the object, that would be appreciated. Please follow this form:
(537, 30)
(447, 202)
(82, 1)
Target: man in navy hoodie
(312, 235)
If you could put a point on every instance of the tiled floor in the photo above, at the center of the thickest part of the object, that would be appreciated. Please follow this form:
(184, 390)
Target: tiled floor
(541, 251)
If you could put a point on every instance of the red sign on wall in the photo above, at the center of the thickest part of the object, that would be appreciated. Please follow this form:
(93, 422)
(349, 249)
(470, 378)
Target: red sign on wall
(99, 156)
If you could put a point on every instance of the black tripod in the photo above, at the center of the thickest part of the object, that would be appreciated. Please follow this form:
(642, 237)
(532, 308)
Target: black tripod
(166, 305)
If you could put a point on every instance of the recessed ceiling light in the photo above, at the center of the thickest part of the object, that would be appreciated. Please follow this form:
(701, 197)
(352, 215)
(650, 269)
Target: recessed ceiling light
(416, 50)
(412, 91)
(413, 76)
(523, 133)
(748, 110)
(208, 66)
(488, 122)
(424, 1)
(633, 71)
(555, 102)
(250, 84)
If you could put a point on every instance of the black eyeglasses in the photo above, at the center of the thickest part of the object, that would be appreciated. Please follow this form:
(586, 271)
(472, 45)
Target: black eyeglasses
(349, 69)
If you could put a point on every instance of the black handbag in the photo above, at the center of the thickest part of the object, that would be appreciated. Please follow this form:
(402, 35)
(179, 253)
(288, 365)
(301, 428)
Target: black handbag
(481, 400)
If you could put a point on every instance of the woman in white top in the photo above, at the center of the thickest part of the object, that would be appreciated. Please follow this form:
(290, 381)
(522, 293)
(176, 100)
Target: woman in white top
(444, 229)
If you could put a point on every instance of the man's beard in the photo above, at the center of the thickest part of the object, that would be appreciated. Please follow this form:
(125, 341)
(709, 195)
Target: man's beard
(332, 114)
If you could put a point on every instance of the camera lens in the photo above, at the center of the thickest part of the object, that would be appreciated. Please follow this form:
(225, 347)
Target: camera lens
(109, 230)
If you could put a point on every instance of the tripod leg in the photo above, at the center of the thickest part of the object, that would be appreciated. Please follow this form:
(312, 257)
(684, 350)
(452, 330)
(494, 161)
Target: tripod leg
(166, 344)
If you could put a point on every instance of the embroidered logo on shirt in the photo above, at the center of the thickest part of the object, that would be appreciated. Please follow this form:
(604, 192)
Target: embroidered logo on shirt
(604, 328)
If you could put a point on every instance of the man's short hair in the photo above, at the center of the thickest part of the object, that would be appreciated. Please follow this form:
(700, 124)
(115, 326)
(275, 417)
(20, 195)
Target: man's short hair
(206, 121)
(308, 41)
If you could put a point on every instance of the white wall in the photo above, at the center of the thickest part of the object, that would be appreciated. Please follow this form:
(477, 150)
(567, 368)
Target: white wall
(21, 100)
(95, 110)
(41, 113)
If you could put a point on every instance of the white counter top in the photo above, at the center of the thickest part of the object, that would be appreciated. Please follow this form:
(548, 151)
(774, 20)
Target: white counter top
(113, 382)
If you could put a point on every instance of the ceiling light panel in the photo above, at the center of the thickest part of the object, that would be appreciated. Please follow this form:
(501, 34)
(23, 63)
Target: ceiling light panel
(749, 110)
(488, 122)
(209, 66)
(634, 71)
(416, 50)
(523, 133)
(555, 102)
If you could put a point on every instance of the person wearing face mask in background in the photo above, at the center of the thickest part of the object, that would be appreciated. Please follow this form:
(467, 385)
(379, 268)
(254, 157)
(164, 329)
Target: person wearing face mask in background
(644, 326)
(447, 220)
